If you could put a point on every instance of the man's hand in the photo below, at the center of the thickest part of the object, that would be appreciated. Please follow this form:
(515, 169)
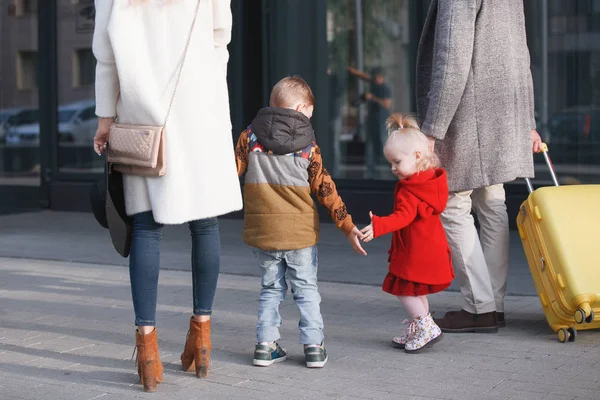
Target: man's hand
(367, 231)
(431, 143)
(536, 142)
(369, 96)
(354, 239)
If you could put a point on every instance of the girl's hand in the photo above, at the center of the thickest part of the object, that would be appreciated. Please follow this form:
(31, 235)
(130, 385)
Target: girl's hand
(353, 238)
(367, 231)
(102, 134)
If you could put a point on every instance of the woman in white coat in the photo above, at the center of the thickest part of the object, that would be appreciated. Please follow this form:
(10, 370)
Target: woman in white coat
(139, 46)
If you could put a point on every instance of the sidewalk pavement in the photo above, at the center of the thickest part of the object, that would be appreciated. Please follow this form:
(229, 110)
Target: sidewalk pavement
(66, 332)
(69, 236)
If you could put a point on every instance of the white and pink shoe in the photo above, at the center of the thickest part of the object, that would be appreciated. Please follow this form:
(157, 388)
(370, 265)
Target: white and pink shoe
(426, 333)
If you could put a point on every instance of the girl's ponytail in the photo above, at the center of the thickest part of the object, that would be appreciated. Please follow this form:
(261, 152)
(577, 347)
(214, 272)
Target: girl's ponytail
(397, 121)
(405, 131)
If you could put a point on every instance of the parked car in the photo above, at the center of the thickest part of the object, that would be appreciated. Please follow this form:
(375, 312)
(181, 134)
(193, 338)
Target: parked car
(5, 114)
(23, 127)
(579, 124)
(77, 123)
(574, 135)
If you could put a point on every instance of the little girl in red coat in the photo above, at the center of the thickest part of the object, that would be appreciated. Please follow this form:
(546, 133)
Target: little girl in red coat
(419, 257)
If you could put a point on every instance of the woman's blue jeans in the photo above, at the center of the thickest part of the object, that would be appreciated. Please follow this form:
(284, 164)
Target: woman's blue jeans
(144, 265)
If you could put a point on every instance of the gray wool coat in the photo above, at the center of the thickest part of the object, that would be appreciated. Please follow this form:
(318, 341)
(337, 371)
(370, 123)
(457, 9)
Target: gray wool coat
(475, 92)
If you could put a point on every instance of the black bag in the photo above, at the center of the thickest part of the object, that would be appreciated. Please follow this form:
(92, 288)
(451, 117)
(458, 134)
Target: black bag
(107, 199)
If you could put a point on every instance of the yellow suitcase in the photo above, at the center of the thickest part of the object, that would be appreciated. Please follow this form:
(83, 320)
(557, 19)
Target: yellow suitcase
(560, 232)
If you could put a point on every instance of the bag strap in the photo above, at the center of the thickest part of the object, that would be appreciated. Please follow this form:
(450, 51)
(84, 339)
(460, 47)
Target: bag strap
(187, 45)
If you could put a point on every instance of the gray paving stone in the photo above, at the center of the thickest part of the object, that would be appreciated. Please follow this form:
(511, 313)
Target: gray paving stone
(559, 397)
(512, 394)
(534, 387)
(556, 378)
(577, 392)
(58, 349)
(10, 393)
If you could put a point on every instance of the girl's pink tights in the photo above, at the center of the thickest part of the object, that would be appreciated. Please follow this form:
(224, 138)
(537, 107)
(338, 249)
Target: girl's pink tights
(416, 306)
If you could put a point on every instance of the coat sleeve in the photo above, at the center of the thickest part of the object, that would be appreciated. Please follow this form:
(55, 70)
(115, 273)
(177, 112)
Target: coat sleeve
(405, 211)
(241, 153)
(323, 187)
(222, 23)
(452, 54)
(107, 79)
(531, 101)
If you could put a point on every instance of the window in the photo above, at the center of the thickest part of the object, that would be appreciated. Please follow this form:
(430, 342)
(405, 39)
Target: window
(88, 114)
(84, 67)
(27, 70)
(65, 116)
(26, 7)
(371, 50)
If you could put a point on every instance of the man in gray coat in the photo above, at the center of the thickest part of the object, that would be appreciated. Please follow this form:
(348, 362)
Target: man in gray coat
(475, 101)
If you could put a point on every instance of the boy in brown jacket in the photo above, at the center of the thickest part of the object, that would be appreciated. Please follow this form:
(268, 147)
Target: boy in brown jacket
(283, 167)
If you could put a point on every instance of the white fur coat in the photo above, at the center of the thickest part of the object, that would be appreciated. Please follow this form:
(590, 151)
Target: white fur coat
(139, 47)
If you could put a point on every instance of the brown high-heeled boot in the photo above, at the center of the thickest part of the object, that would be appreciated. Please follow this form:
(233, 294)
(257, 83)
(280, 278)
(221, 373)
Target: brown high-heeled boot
(150, 368)
(196, 353)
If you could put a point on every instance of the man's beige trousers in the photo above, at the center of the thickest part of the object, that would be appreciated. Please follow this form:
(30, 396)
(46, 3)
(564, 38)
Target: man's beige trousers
(480, 261)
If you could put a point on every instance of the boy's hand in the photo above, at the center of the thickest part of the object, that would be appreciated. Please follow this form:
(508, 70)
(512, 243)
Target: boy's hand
(367, 231)
(353, 238)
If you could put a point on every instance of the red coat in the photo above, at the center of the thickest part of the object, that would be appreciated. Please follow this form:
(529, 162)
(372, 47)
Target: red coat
(419, 251)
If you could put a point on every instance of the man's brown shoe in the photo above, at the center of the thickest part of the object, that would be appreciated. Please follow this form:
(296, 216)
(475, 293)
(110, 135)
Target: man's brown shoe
(463, 321)
(500, 319)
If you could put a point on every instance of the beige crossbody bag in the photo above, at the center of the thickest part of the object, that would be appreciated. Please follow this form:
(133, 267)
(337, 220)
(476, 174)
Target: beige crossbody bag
(140, 149)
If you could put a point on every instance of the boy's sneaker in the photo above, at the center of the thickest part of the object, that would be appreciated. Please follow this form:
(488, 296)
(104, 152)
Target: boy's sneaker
(316, 355)
(265, 355)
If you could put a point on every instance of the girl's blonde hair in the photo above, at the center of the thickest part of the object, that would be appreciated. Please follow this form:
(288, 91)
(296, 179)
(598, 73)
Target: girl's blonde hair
(404, 132)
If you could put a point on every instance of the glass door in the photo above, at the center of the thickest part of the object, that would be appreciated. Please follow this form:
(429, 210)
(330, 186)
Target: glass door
(77, 121)
(19, 106)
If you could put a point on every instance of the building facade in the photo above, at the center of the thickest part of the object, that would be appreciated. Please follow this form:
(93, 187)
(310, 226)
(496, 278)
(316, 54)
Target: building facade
(47, 119)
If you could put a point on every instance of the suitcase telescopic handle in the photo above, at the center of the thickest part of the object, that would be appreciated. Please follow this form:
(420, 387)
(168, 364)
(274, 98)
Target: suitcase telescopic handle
(550, 167)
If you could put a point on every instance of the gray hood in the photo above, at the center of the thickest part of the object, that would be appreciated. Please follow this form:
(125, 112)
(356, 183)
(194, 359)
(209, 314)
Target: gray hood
(282, 130)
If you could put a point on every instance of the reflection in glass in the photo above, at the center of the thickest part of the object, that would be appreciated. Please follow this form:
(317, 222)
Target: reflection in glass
(367, 38)
(370, 75)
(19, 115)
(77, 121)
(565, 64)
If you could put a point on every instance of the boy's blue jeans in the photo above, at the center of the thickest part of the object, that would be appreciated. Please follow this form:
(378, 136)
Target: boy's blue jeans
(300, 267)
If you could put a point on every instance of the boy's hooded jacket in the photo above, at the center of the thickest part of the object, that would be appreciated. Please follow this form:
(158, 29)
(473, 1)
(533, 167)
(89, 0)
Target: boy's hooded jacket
(419, 251)
(283, 166)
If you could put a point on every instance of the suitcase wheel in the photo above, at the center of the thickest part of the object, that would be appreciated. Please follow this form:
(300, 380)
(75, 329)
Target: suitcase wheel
(567, 334)
(572, 334)
(563, 335)
(581, 316)
(590, 318)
